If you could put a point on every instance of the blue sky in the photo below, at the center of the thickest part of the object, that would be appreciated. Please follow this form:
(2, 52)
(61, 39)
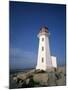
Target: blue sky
(25, 22)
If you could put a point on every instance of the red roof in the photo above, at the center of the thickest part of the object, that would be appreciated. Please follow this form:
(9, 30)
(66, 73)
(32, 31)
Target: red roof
(44, 29)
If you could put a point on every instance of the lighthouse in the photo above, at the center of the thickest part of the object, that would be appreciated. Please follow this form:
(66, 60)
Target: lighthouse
(44, 60)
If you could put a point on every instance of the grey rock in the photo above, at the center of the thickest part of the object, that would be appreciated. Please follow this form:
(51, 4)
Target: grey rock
(27, 81)
(37, 78)
(22, 76)
(15, 78)
(61, 82)
(51, 79)
(61, 70)
(42, 78)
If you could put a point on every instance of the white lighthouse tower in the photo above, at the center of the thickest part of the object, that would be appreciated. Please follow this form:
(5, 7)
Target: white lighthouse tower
(44, 58)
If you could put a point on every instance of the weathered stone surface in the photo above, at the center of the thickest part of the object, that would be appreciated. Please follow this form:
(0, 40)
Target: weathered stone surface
(52, 76)
(43, 84)
(38, 78)
(22, 76)
(64, 70)
(29, 74)
(62, 75)
(20, 84)
(58, 75)
(42, 77)
(61, 70)
(39, 71)
(15, 78)
(50, 70)
(27, 81)
(61, 82)
(51, 79)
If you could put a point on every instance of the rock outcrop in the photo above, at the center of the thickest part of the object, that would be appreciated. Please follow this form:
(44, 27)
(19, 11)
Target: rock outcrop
(37, 78)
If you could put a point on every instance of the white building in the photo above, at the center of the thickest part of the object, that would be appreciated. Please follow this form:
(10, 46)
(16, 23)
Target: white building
(54, 62)
(45, 60)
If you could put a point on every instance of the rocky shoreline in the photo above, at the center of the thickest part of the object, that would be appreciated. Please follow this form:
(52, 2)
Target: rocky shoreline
(38, 78)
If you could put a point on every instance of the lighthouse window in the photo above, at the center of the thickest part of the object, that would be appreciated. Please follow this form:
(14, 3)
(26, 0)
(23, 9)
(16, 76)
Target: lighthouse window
(42, 39)
(42, 59)
(42, 48)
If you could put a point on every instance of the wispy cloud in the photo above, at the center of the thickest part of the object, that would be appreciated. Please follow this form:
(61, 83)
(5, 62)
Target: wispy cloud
(21, 59)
